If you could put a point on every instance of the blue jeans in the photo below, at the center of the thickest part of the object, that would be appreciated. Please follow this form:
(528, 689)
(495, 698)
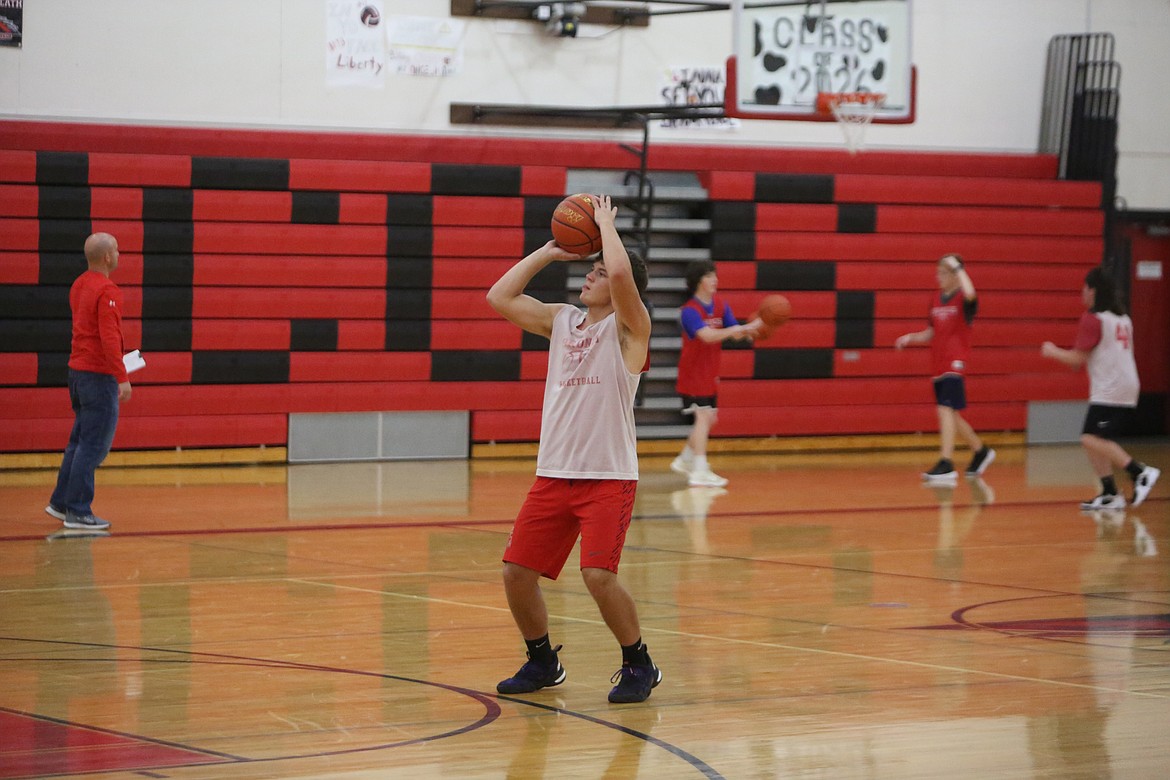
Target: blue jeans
(94, 398)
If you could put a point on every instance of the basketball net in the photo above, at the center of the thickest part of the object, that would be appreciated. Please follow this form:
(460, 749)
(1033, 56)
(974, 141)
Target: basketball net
(854, 111)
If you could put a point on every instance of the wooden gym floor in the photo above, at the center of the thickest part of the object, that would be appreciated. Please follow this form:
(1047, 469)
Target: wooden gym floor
(826, 616)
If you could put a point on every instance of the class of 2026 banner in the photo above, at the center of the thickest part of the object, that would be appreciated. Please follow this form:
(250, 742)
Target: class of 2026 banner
(11, 22)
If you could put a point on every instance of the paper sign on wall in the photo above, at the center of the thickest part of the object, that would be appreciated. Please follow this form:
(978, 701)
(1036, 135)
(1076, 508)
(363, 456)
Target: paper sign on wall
(355, 50)
(424, 46)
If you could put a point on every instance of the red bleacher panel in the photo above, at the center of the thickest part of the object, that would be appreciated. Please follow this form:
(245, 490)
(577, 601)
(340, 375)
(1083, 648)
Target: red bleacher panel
(115, 203)
(505, 426)
(1058, 386)
(863, 419)
(986, 332)
(903, 247)
(463, 273)
(1012, 221)
(136, 433)
(18, 167)
(534, 365)
(21, 234)
(18, 368)
(359, 367)
(536, 180)
(361, 335)
(478, 242)
(915, 361)
(18, 200)
(470, 210)
(215, 270)
(796, 216)
(805, 305)
(736, 275)
(729, 185)
(282, 239)
(461, 305)
(1005, 305)
(800, 334)
(784, 393)
(240, 334)
(359, 176)
(494, 334)
(19, 267)
(139, 170)
(737, 364)
(986, 275)
(167, 368)
(241, 206)
(287, 303)
(357, 209)
(939, 190)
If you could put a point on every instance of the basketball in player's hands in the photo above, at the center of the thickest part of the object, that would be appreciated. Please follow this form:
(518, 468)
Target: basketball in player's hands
(775, 310)
(573, 226)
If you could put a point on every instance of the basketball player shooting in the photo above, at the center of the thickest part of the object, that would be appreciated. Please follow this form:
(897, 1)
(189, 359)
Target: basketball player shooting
(587, 465)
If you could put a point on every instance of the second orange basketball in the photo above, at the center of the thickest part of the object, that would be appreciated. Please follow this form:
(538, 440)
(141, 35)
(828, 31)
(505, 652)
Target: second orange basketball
(775, 310)
(573, 226)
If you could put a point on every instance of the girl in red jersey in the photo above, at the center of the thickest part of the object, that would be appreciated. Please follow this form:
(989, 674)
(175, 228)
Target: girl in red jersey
(1104, 346)
(706, 321)
(949, 335)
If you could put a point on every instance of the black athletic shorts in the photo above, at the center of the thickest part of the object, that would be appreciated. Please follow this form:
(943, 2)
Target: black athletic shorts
(949, 391)
(1108, 422)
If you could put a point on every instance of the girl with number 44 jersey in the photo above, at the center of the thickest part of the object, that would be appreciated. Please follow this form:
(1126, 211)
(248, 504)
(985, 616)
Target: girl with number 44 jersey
(1104, 346)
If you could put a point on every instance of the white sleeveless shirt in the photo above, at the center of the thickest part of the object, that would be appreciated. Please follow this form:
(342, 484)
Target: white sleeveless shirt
(587, 425)
(1113, 376)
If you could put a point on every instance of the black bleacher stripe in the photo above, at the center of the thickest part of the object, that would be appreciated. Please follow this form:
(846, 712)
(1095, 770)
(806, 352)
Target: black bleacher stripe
(531, 342)
(793, 188)
(64, 235)
(57, 202)
(796, 275)
(167, 303)
(733, 245)
(554, 277)
(535, 238)
(856, 218)
(238, 173)
(159, 335)
(28, 301)
(409, 241)
(316, 208)
(733, 215)
(63, 168)
(52, 369)
(168, 270)
(244, 367)
(467, 366)
(408, 304)
(855, 309)
(167, 204)
(61, 267)
(409, 209)
(167, 238)
(449, 179)
(538, 213)
(313, 336)
(408, 335)
(793, 364)
(410, 273)
(35, 335)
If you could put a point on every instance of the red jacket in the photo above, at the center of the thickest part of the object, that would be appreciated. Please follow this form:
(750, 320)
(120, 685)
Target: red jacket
(97, 326)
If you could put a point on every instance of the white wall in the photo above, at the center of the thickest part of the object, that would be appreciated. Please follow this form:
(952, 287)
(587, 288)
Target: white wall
(260, 63)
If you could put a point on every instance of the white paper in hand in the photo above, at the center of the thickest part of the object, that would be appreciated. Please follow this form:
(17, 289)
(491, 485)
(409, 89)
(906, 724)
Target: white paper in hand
(133, 361)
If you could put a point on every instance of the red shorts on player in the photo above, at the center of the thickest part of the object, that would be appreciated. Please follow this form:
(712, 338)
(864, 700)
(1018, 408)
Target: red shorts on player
(557, 511)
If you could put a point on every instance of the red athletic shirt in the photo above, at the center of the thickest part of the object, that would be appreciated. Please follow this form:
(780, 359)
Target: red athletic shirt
(698, 363)
(97, 326)
(951, 317)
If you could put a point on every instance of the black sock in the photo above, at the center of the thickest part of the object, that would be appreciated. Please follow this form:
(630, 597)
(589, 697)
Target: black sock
(635, 654)
(1108, 486)
(540, 649)
(1134, 468)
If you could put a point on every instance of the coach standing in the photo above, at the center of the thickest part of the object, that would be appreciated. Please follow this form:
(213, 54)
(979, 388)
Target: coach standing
(97, 383)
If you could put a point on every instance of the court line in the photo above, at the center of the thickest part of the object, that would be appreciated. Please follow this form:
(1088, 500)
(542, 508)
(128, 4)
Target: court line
(757, 643)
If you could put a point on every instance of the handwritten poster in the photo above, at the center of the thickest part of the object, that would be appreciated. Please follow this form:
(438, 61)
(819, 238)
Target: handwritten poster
(424, 46)
(694, 86)
(355, 48)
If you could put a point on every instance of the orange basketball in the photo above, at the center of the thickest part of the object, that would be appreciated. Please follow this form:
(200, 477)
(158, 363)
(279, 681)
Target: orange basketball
(573, 227)
(775, 310)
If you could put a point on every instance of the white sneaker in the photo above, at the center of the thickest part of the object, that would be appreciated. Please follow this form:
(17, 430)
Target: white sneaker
(1103, 502)
(706, 478)
(1144, 484)
(682, 466)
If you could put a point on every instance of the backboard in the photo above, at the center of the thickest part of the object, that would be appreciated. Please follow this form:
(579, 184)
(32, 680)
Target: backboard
(785, 54)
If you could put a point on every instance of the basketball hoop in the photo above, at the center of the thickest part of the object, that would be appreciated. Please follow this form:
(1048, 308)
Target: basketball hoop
(853, 111)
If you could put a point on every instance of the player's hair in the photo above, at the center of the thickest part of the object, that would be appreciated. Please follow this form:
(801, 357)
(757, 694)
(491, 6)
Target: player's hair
(955, 255)
(639, 270)
(1105, 296)
(695, 273)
